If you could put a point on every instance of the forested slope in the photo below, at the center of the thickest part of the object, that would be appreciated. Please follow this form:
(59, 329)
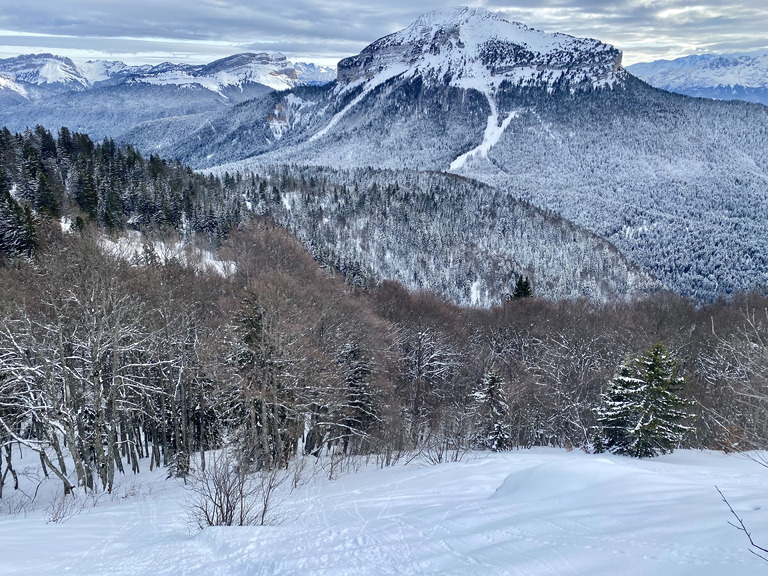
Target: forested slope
(463, 240)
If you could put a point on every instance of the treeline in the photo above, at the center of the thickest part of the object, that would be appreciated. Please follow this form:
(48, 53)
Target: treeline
(114, 187)
(104, 363)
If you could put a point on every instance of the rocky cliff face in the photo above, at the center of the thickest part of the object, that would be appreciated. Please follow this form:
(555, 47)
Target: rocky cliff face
(470, 48)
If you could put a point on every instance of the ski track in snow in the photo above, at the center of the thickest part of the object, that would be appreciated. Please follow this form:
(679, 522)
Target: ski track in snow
(541, 512)
(493, 132)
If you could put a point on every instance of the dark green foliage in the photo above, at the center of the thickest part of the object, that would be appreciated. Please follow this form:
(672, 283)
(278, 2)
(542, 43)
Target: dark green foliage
(642, 414)
(17, 224)
(114, 186)
(46, 197)
(523, 288)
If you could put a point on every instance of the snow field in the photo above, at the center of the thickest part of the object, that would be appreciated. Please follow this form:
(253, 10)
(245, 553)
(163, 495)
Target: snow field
(529, 512)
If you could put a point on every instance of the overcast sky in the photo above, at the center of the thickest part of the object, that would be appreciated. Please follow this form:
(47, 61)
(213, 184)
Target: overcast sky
(323, 31)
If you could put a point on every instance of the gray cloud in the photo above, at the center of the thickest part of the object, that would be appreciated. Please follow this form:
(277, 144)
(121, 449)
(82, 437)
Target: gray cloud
(326, 30)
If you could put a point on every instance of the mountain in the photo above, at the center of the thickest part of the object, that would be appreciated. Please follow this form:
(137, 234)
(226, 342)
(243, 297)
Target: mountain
(720, 76)
(107, 98)
(314, 75)
(44, 71)
(475, 49)
(443, 74)
(677, 184)
(271, 70)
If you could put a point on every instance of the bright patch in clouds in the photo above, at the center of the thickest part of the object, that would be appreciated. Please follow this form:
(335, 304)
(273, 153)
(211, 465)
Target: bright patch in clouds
(690, 14)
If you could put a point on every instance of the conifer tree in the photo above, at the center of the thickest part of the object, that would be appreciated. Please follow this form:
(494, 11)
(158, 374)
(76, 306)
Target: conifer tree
(17, 224)
(642, 414)
(523, 288)
(493, 413)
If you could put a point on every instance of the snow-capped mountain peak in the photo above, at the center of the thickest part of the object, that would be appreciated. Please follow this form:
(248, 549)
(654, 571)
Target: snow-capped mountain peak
(474, 48)
(44, 70)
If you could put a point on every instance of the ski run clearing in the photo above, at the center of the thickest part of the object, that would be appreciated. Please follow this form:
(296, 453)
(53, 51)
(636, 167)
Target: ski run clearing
(527, 512)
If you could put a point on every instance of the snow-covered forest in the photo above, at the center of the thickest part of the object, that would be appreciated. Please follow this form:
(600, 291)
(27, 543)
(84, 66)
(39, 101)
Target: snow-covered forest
(156, 319)
(110, 357)
(463, 240)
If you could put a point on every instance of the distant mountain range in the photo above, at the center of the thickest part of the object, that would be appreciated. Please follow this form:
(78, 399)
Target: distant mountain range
(724, 76)
(33, 75)
(106, 98)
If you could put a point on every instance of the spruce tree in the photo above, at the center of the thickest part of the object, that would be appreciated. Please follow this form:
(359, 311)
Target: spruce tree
(492, 412)
(17, 224)
(522, 288)
(642, 414)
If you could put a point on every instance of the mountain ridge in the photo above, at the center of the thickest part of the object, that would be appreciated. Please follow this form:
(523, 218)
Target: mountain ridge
(273, 70)
(719, 76)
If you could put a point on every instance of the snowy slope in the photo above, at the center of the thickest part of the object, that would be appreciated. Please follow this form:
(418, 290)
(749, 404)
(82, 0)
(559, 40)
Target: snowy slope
(101, 70)
(44, 70)
(538, 512)
(726, 76)
(8, 83)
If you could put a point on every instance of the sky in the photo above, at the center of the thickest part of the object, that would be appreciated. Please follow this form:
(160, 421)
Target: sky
(324, 31)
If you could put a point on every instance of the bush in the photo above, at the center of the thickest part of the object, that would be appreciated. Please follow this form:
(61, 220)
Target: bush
(225, 494)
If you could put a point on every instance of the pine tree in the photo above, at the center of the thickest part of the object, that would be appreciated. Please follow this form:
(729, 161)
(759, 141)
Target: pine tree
(17, 224)
(642, 414)
(523, 288)
(492, 413)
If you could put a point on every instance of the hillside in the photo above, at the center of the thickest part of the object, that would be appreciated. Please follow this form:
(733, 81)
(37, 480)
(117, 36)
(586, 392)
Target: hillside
(372, 226)
(676, 184)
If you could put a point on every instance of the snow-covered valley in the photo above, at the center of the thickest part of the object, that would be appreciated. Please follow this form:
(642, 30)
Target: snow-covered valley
(526, 512)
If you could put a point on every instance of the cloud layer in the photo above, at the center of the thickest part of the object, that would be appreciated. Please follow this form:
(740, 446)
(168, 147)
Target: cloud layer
(327, 30)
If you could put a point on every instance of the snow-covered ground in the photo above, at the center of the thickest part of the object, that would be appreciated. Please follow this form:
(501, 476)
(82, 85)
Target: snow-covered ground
(531, 512)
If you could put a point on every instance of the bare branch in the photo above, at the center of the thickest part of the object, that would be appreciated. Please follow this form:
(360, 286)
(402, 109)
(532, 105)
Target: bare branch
(739, 525)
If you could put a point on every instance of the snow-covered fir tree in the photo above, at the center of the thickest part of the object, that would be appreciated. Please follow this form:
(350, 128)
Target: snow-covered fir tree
(642, 413)
(17, 226)
(492, 411)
